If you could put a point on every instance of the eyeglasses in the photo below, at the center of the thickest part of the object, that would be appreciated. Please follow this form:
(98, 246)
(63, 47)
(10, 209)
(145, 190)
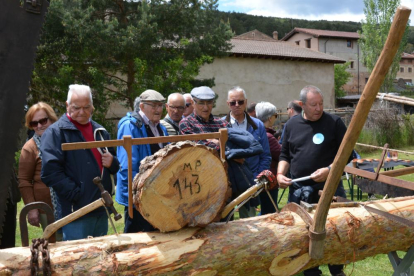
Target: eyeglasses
(181, 108)
(187, 104)
(233, 103)
(204, 102)
(41, 122)
(155, 106)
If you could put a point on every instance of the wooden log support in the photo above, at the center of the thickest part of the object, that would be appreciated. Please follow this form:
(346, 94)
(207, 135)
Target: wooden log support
(275, 244)
(316, 247)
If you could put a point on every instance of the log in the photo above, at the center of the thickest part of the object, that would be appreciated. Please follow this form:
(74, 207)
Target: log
(182, 184)
(275, 244)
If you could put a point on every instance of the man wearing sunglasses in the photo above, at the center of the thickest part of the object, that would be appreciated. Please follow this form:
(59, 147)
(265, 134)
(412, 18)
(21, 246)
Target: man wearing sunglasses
(175, 108)
(239, 118)
(70, 173)
(141, 123)
(189, 104)
(201, 120)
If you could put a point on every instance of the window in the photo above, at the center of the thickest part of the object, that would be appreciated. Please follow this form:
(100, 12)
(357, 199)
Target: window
(308, 43)
(297, 42)
(349, 43)
(401, 69)
(410, 70)
(351, 65)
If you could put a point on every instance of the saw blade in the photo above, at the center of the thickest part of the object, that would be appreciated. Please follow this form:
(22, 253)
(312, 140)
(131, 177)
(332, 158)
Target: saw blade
(19, 32)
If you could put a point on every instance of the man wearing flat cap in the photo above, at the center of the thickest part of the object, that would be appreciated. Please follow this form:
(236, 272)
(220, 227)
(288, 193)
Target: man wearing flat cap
(144, 123)
(201, 120)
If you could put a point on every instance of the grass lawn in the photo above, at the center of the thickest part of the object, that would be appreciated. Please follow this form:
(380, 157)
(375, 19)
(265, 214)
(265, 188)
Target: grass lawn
(374, 266)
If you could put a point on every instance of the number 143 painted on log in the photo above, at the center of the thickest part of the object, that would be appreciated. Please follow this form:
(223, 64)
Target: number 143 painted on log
(189, 185)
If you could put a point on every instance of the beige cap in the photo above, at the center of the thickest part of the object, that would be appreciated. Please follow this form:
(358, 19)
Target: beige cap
(151, 96)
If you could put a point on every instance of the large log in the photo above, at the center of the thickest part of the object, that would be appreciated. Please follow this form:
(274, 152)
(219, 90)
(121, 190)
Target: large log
(182, 184)
(276, 244)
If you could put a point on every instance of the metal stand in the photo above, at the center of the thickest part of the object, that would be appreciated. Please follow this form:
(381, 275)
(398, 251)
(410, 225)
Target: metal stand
(404, 266)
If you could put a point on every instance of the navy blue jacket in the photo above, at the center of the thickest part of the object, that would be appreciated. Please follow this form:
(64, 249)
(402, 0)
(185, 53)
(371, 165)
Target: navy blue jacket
(241, 144)
(70, 173)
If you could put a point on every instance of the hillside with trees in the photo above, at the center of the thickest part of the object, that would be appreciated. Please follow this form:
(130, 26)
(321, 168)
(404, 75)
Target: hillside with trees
(241, 23)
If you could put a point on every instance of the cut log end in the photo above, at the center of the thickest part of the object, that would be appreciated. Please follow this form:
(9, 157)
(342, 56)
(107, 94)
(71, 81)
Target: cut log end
(182, 184)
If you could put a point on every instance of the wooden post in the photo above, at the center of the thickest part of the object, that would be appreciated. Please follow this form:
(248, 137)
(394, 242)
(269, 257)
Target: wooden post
(128, 148)
(358, 120)
(223, 139)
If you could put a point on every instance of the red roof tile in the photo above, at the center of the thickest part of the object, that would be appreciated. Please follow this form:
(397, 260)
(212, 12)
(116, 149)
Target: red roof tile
(322, 33)
(278, 50)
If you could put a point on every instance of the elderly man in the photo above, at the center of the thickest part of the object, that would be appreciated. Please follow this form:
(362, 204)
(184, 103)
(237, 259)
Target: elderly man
(175, 107)
(138, 124)
(70, 173)
(309, 148)
(189, 104)
(238, 118)
(201, 120)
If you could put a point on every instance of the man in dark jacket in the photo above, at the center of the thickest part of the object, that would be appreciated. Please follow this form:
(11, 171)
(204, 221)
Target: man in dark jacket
(239, 119)
(70, 173)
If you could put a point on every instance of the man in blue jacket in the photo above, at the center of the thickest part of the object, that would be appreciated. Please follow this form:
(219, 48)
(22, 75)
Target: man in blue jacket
(70, 173)
(239, 119)
(141, 123)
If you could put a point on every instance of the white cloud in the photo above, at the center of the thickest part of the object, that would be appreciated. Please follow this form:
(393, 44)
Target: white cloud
(350, 10)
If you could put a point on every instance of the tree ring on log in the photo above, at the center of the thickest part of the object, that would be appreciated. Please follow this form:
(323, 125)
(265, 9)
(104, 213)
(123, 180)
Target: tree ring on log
(182, 184)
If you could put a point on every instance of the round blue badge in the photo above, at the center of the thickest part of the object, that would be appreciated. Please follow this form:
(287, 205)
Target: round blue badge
(318, 138)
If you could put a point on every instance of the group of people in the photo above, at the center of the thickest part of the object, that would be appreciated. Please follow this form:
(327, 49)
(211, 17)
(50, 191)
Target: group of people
(306, 147)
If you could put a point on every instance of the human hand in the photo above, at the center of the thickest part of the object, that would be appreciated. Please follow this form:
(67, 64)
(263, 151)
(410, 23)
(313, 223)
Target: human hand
(283, 181)
(320, 175)
(215, 141)
(269, 177)
(107, 159)
(33, 217)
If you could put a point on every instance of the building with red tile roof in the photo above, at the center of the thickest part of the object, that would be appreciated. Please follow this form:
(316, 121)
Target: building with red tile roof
(343, 45)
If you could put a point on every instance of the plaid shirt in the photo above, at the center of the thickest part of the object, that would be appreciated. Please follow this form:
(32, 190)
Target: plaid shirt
(194, 124)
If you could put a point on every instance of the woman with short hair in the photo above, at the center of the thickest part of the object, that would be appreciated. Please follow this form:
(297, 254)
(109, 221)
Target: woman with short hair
(38, 118)
(267, 113)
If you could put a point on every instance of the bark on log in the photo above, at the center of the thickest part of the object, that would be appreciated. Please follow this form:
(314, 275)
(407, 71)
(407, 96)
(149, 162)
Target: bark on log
(182, 184)
(276, 244)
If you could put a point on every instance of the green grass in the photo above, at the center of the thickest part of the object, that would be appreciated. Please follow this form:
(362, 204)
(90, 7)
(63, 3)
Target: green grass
(378, 265)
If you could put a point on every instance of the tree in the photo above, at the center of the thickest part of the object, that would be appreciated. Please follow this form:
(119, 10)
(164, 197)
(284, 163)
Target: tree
(341, 78)
(378, 18)
(121, 48)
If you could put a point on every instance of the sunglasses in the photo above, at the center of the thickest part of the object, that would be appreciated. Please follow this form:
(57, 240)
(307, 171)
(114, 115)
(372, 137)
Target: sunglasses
(233, 103)
(41, 121)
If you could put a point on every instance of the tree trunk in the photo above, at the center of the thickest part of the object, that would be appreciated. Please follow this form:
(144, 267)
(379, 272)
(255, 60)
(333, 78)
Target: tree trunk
(182, 184)
(275, 244)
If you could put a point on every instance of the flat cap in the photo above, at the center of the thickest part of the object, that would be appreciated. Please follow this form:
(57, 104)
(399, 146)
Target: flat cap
(203, 93)
(151, 96)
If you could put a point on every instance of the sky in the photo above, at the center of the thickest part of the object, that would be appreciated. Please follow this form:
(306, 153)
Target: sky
(343, 10)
